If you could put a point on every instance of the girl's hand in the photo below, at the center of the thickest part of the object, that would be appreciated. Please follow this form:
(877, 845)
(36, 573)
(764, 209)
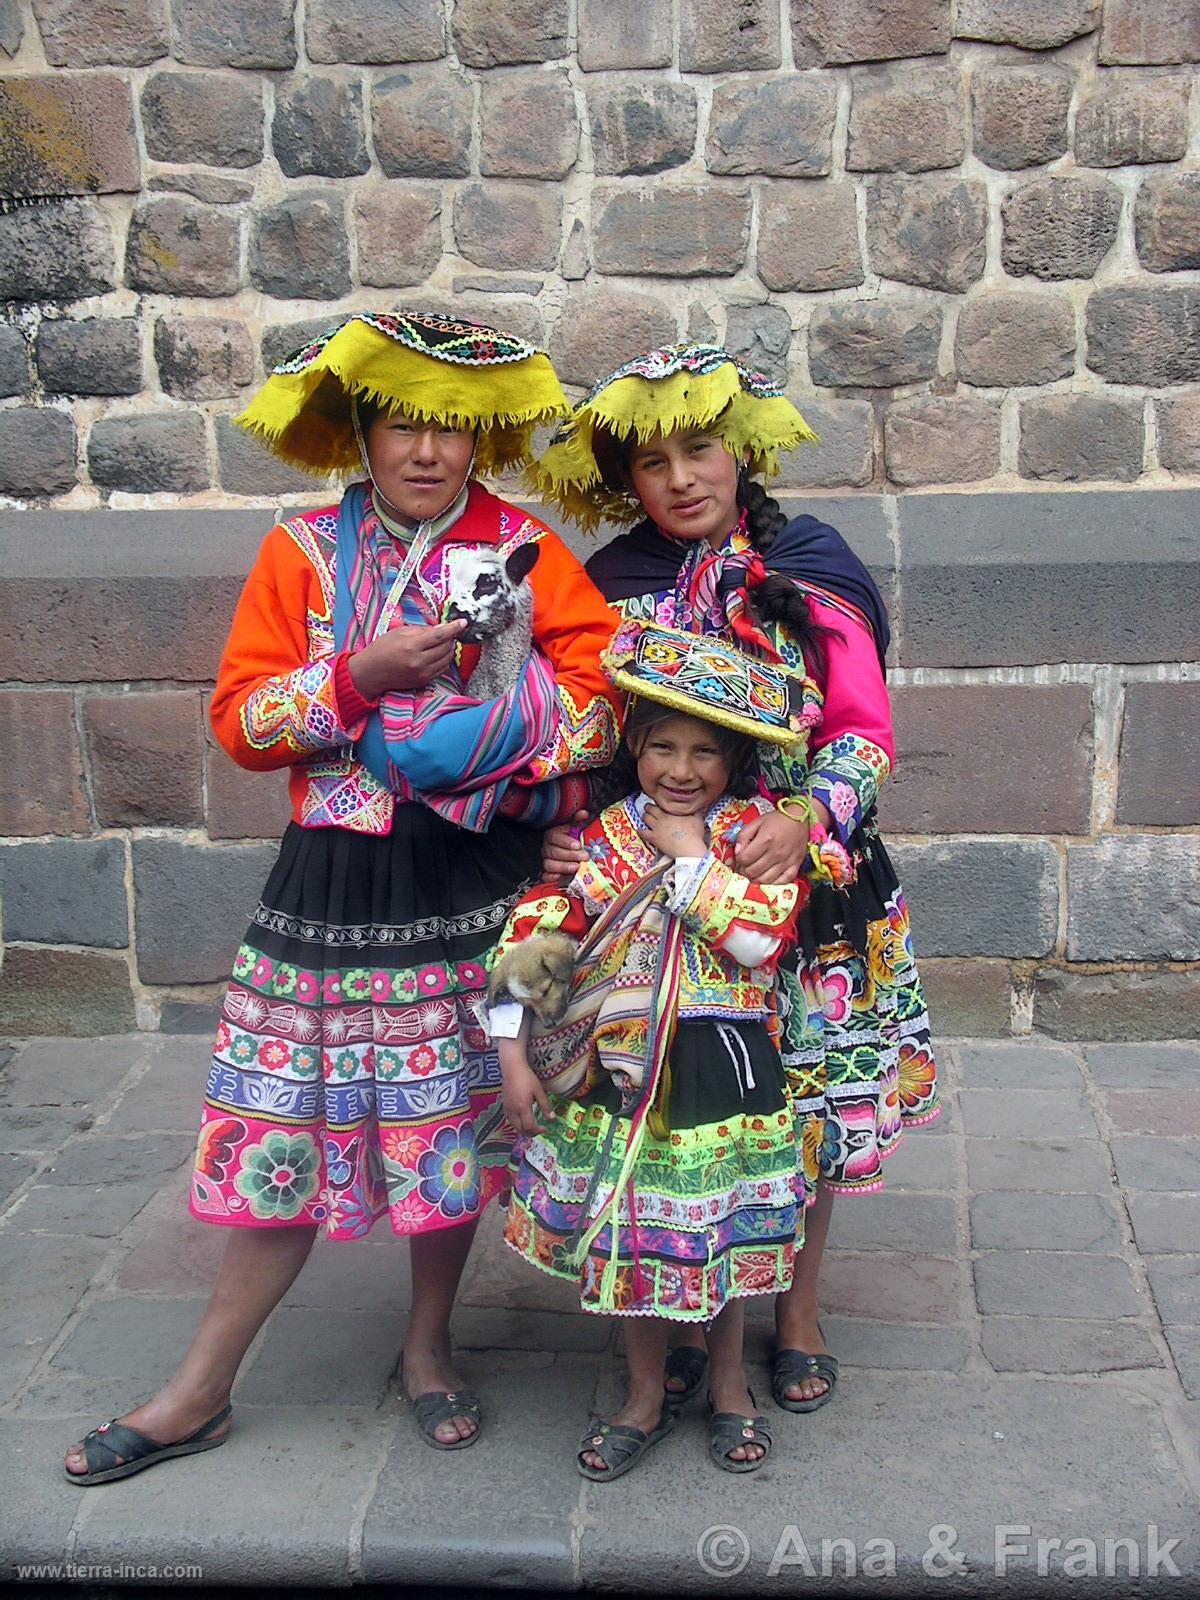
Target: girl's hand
(406, 657)
(673, 836)
(523, 1092)
(562, 853)
(772, 848)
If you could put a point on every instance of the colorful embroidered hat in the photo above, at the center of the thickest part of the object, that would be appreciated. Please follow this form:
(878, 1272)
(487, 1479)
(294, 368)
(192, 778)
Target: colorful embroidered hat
(437, 368)
(701, 676)
(682, 385)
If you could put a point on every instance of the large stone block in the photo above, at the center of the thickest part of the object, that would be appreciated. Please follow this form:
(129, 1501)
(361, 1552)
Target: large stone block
(194, 904)
(213, 188)
(1160, 755)
(149, 454)
(762, 336)
(64, 992)
(1179, 433)
(224, 33)
(874, 345)
(1010, 340)
(55, 252)
(1167, 223)
(1117, 1006)
(182, 247)
(12, 27)
(831, 32)
(65, 891)
(1020, 115)
(931, 232)
(399, 234)
(640, 127)
(139, 595)
(621, 34)
(242, 804)
(1136, 897)
(1151, 336)
(422, 123)
(202, 358)
(845, 452)
(670, 230)
(282, 340)
(67, 133)
(906, 119)
(375, 32)
(118, 33)
(245, 466)
(1060, 227)
(14, 362)
(1130, 118)
(783, 127)
(37, 452)
(528, 125)
(299, 249)
(1067, 438)
(515, 226)
(95, 355)
(972, 998)
(971, 563)
(808, 237)
(214, 117)
(728, 35)
(598, 329)
(318, 127)
(1137, 32)
(146, 755)
(941, 439)
(38, 736)
(982, 898)
(954, 770)
(1032, 24)
(503, 33)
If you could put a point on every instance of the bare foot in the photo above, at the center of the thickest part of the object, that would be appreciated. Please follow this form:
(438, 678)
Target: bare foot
(803, 1332)
(431, 1371)
(642, 1411)
(167, 1418)
(733, 1394)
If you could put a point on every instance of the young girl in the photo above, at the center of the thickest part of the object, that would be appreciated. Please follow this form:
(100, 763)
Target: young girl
(353, 1078)
(670, 442)
(665, 1185)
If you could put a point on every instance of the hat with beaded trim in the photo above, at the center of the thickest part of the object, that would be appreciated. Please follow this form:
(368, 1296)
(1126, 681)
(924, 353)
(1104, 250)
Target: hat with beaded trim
(683, 385)
(435, 368)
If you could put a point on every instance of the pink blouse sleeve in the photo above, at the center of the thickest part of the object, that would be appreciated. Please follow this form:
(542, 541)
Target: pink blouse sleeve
(854, 747)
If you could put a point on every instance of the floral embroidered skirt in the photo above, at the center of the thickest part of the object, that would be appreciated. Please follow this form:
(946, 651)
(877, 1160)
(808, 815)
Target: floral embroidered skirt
(856, 1040)
(353, 1076)
(711, 1211)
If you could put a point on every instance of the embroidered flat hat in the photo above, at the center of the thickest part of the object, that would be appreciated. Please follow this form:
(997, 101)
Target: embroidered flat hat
(436, 368)
(681, 385)
(701, 676)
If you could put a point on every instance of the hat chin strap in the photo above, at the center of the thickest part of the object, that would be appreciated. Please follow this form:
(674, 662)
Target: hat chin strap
(393, 519)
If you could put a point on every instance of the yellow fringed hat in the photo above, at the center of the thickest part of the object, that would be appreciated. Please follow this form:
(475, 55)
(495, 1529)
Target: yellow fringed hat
(681, 385)
(436, 368)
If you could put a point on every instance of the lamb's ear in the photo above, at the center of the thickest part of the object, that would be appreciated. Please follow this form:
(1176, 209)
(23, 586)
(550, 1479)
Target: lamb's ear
(521, 563)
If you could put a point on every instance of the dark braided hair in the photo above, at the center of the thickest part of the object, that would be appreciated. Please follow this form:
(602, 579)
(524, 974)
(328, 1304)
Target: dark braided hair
(614, 782)
(778, 600)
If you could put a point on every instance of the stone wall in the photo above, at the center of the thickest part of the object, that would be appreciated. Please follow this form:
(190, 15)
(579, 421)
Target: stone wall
(968, 236)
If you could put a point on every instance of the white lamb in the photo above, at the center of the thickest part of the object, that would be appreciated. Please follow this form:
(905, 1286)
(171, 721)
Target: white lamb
(496, 599)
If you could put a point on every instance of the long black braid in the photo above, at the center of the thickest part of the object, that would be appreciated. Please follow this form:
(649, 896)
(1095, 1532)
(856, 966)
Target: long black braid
(778, 600)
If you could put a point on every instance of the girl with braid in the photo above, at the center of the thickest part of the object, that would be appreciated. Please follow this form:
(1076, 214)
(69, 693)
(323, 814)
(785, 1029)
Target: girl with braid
(674, 442)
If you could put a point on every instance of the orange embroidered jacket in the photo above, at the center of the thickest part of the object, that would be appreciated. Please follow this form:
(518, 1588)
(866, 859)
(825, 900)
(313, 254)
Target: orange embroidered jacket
(280, 699)
(712, 901)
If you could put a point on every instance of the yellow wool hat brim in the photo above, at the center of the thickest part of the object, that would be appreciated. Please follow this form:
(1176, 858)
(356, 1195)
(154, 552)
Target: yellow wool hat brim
(635, 408)
(304, 416)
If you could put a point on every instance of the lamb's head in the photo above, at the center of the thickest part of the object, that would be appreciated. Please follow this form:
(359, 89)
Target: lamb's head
(483, 588)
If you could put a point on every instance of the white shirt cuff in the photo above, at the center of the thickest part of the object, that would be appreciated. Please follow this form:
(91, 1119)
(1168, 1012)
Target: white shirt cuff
(505, 1019)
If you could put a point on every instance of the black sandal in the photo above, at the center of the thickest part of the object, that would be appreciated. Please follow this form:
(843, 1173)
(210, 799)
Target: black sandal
(112, 1440)
(790, 1367)
(727, 1430)
(688, 1364)
(440, 1405)
(619, 1446)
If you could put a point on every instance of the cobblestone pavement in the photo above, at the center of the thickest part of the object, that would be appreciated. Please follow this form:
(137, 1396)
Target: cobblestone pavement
(1018, 1319)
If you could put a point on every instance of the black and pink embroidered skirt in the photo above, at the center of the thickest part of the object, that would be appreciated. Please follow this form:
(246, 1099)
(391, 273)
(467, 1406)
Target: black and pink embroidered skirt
(353, 1077)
